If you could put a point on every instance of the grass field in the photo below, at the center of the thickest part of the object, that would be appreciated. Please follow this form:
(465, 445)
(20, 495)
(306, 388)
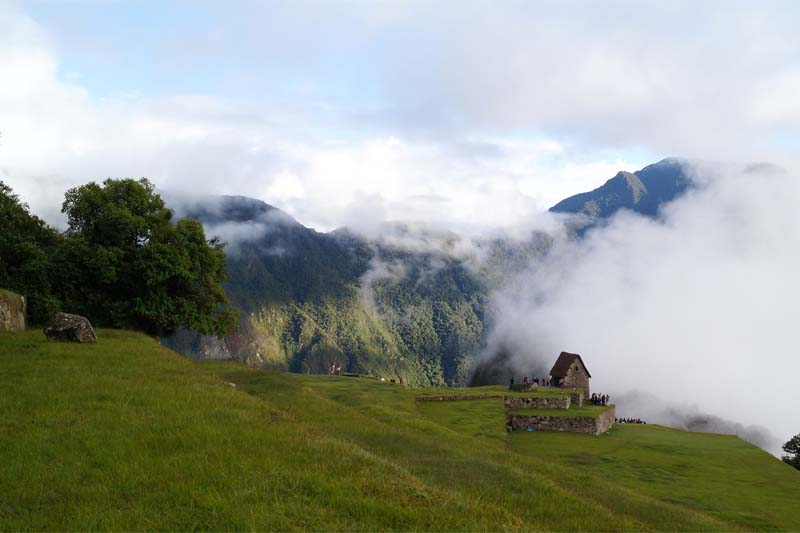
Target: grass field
(127, 435)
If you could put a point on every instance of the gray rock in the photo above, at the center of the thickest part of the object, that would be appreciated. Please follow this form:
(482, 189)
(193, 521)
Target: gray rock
(70, 328)
(12, 311)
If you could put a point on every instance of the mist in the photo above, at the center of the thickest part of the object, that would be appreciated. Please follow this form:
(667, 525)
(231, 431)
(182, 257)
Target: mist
(697, 310)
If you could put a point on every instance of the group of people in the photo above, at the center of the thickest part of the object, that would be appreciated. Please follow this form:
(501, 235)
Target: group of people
(335, 369)
(599, 399)
(526, 380)
(629, 421)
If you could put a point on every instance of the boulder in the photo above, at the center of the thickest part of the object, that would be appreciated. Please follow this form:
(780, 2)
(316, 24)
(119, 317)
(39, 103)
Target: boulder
(70, 328)
(12, 311)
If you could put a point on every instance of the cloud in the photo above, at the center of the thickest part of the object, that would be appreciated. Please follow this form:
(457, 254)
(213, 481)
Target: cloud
(326, 167)
(696, 308)
(678, 413)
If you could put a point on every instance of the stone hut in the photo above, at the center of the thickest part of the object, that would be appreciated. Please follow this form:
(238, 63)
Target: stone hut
(569, 372)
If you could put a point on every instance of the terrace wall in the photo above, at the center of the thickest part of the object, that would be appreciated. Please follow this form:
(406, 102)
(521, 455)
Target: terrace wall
(577, 424)
(520, 402)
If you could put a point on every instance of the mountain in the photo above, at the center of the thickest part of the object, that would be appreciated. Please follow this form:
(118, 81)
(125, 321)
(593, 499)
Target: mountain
(643, 191)
(410, 303)
(311, 300)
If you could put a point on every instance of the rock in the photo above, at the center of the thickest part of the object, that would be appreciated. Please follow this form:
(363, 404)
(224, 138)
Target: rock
(70, 328)
(12, 311)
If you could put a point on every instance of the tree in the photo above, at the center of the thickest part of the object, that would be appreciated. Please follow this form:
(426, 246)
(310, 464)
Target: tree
(27, 247)
(792, 447)
(132, 267)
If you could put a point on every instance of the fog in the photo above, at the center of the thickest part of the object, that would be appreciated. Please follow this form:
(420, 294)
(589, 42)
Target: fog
(696, 310)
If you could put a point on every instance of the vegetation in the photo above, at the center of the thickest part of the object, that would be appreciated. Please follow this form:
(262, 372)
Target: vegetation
(716, 475)
(792, 448)
(122, 262)
(27, 250)
(308, 301)
(127, 435)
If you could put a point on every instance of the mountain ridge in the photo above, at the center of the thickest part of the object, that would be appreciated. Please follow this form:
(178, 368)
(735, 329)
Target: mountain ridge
(410, 303)
(643, 191)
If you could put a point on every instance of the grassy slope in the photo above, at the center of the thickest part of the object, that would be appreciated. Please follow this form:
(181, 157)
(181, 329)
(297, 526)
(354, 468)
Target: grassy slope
(127, 435)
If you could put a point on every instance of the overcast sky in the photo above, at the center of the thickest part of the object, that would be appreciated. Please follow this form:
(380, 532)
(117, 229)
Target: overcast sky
(467, 115)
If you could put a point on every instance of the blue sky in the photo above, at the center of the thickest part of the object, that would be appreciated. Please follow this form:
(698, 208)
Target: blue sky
(315, 106)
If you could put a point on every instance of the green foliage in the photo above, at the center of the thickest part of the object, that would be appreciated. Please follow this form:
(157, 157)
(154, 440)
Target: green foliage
(122, 262)
(792, 448)
(132, 267)
(27, 249)
(126, 435)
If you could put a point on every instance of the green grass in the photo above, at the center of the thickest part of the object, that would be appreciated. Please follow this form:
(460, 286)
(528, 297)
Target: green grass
(126, 435)
(588, 411)
(719, 475)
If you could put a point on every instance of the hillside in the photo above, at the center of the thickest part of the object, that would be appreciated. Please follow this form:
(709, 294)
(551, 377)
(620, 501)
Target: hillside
(310, 300)
(127, 435)
(409, 303)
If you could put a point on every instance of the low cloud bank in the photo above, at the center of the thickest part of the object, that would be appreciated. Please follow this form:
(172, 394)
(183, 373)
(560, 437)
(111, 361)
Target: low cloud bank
(696, 308)
(654, 410)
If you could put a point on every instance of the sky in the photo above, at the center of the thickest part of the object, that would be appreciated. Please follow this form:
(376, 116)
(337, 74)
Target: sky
(464, 115)
(470, 116)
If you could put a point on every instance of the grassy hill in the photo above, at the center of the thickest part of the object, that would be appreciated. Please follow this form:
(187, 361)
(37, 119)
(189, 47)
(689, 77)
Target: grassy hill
(126, 434)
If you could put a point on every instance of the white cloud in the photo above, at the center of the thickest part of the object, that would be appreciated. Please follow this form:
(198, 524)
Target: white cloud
(56, 135)
(699, 309)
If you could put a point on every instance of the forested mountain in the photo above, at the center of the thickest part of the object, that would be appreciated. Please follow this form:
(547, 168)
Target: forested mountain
(410, 304)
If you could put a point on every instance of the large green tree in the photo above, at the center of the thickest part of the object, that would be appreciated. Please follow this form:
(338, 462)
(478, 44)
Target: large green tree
(131, 266)
(792, 448)
(27, 249)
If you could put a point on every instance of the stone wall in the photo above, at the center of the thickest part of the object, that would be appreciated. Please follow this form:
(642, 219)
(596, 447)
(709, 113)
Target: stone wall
(577, 424)
(606, 420)
(515, 402)
(522, 387)
(577, 398)
(12, 311)
(577, 378)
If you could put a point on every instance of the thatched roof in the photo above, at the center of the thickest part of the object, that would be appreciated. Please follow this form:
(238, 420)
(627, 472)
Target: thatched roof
(564, 361)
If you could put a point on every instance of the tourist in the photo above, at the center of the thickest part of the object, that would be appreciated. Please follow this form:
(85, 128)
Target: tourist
(511, 383)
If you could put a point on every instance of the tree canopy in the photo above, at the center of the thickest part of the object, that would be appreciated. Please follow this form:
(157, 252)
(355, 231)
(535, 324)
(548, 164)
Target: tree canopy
(132, 267)
(122, 262)
(792, 448)
(27, 248)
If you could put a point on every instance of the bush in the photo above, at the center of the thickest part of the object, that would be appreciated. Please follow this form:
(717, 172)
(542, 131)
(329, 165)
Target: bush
(792, 447)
